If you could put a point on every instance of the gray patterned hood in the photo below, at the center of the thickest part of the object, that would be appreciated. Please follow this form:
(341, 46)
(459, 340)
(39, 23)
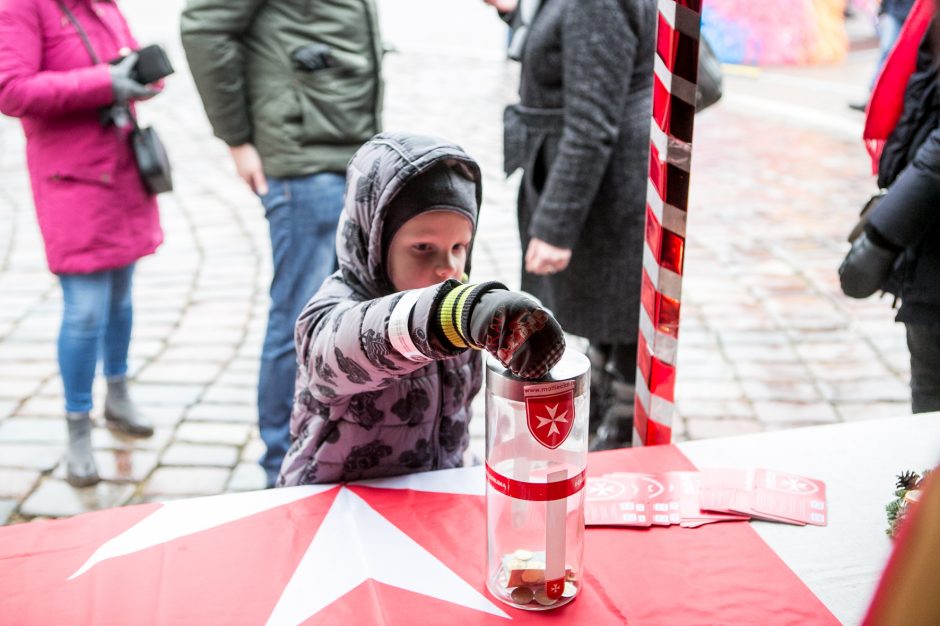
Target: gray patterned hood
(376, 174)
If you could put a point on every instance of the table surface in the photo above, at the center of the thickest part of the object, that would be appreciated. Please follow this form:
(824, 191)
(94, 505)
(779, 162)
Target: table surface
(841, 563)
(859, 462)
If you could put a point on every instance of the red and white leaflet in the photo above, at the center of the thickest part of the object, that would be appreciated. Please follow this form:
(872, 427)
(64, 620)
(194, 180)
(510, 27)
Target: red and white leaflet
(789, 498)
(687, 485)
(693, 499)
(764, 494)
(664, 498)
(724, 490)
(616, 500)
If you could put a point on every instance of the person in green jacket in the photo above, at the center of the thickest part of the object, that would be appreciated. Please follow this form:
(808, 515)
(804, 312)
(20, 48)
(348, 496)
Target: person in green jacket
(294, 88)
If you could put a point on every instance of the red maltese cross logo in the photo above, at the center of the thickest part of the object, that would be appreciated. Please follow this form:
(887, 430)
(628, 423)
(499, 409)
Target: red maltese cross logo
(550, 417)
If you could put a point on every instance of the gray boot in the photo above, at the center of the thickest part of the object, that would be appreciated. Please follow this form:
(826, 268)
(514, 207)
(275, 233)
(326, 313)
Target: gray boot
(120, 412)
(616, 429)
(80, 463)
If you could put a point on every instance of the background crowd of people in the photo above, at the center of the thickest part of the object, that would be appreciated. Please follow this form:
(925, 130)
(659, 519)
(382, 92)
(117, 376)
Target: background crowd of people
(294, 91)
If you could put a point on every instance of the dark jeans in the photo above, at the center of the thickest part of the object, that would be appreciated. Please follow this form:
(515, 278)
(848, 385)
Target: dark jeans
(96, 322)
(302, 213)
(923, 342)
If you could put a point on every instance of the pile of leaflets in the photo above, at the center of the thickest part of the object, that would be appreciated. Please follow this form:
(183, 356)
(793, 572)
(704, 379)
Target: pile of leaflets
(692, 499)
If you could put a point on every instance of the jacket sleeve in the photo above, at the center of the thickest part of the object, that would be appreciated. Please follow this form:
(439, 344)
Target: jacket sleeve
(349, 347)
(598, 53)
(211, 32)
(26, 89)
(910, 208)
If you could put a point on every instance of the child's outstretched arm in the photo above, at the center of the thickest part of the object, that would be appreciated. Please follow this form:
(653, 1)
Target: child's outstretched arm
(349, 347)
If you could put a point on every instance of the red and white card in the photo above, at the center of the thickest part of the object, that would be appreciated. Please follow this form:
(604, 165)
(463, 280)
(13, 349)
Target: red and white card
(663, 493)
(789, 498)
(765, 494)
(617, 500)
(692, 499)
(688, 486)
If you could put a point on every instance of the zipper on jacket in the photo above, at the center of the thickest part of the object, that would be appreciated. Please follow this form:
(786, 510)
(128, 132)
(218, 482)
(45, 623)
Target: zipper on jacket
(375, 66)
(435, 442)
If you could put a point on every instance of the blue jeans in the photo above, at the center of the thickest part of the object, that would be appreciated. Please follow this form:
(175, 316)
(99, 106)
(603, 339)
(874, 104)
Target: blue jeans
(302, 213)
(97, 319)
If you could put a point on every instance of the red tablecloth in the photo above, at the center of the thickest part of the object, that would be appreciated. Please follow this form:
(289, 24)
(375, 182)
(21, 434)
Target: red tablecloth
(405, 552)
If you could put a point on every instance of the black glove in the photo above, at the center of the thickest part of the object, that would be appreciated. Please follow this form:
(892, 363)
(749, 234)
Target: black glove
(866, 267)
(123, 86)
(513, 327)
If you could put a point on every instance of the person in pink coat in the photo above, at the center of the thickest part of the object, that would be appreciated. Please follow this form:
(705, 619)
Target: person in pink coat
(95, 215)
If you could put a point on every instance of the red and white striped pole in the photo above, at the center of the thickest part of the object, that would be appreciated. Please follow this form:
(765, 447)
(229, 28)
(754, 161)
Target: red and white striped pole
(675, 74)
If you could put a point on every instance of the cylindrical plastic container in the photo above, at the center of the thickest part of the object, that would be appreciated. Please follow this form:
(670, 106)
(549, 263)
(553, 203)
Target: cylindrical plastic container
(536, 456)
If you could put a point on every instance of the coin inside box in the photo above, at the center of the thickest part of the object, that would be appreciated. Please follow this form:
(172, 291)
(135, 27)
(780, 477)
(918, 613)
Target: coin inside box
(523, 577)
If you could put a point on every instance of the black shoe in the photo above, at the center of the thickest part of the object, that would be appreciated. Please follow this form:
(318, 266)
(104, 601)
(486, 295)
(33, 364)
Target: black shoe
(858, 106)
(616, 430)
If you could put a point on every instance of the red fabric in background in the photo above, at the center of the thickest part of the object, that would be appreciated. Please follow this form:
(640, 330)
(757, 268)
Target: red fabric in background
(236, 572)
(887, 98)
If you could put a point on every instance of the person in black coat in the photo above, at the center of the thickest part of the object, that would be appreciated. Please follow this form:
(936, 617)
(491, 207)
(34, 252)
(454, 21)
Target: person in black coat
(580, 133)
(899, 250)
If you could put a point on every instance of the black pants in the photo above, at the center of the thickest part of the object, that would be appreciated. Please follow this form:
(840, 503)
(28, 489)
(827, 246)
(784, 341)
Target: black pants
(923, 342)
(621, 357)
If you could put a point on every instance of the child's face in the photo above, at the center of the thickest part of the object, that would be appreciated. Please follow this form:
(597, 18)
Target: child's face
(428, 249)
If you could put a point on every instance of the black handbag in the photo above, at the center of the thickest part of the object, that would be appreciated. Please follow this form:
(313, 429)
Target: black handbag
(152, 161)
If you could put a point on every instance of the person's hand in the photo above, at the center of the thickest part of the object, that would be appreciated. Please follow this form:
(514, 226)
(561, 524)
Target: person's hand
(518, 331)
(125, 88)
(511, 326)
(503, 6)
(866, 267)
(249, 168)
(543, 258)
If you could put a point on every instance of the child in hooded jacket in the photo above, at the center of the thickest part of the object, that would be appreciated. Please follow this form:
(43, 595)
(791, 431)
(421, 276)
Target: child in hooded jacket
(388, 348)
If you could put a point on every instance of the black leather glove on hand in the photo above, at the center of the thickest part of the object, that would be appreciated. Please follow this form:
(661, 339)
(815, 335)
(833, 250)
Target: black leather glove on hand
(513, 327)
(123, 86)
(866, 267)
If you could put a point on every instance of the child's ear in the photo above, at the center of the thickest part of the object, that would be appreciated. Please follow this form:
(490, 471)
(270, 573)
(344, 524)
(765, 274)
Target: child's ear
(464, 277)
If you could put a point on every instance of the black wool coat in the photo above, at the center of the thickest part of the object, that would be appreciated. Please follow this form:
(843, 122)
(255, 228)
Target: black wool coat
(581, 134)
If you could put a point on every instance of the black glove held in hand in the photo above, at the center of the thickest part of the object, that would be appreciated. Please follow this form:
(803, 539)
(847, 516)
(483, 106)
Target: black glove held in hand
(514, 328)
(866, 267)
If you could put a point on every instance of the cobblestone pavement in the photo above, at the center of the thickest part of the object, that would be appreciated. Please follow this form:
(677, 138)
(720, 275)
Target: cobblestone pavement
(767, 341)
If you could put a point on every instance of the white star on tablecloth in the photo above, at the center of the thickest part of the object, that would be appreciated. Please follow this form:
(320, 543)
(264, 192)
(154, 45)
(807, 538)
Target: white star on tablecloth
(378, 550)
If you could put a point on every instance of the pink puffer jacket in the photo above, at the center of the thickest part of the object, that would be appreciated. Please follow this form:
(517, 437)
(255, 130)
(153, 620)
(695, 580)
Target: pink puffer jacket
(93, 210)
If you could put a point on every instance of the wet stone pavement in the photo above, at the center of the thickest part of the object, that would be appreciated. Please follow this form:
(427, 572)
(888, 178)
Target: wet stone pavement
(766, 341)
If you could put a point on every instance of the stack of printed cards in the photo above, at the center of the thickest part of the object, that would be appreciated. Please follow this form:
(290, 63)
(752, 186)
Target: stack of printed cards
(692, 499)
